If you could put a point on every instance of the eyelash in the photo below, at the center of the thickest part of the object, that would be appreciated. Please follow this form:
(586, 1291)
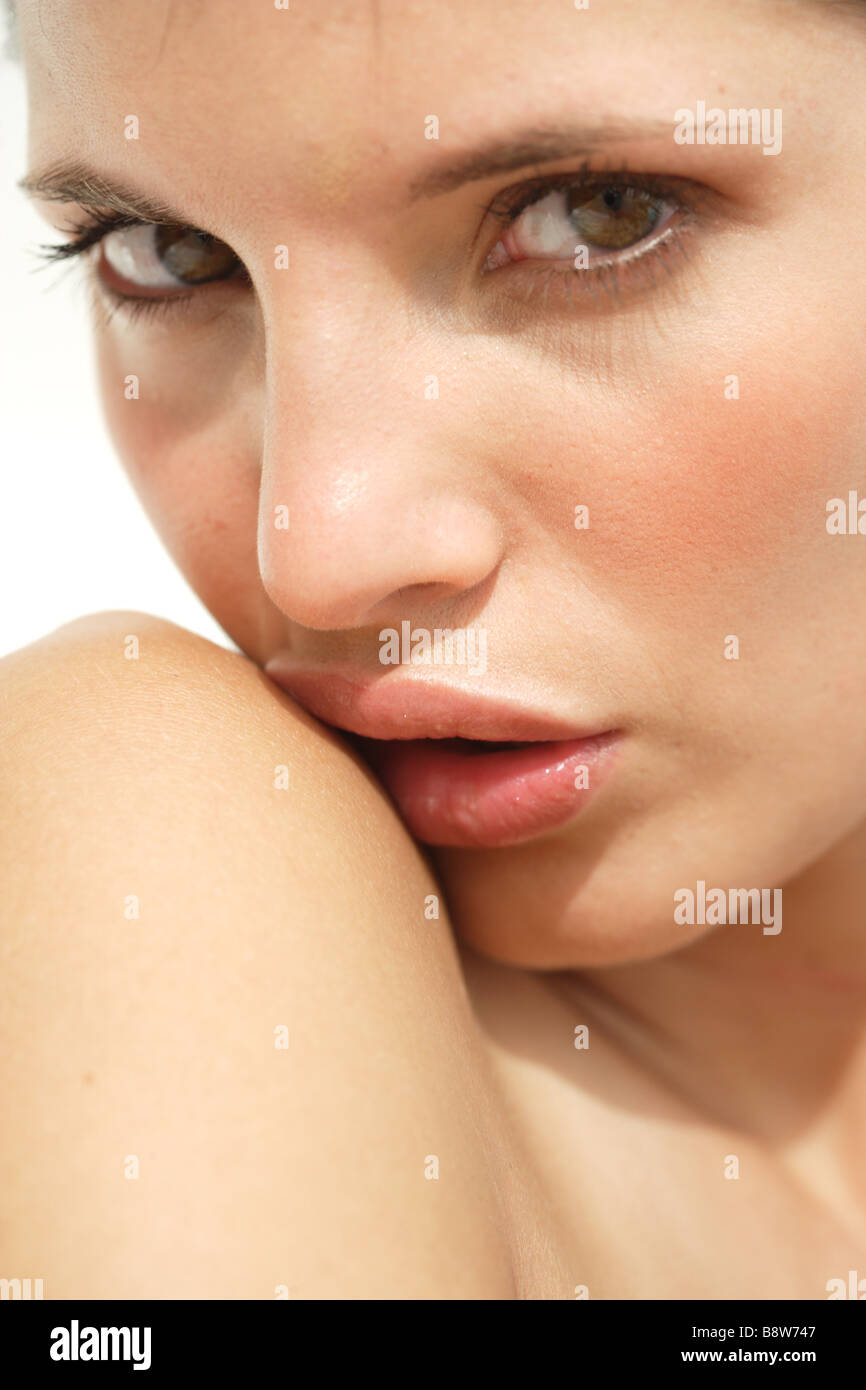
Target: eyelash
(104, 300)
(608, 277)
(504, 208)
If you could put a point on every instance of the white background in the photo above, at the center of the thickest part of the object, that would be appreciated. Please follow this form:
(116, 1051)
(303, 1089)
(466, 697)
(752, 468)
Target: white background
(73, 536)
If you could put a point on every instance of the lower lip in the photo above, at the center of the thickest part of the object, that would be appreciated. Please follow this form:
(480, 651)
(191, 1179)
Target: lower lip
(449, 795)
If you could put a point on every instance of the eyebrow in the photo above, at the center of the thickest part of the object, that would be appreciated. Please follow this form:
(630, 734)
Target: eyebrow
(534, 146)
(75, 182)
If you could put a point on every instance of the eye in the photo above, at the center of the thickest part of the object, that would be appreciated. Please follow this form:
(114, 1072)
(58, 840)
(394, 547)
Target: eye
(150, 260)
(606, 219)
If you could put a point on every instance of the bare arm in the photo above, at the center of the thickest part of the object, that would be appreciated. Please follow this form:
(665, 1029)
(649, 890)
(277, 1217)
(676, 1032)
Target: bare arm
(167, 909)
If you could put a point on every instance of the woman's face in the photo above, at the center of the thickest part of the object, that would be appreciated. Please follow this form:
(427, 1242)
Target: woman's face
(395, 413)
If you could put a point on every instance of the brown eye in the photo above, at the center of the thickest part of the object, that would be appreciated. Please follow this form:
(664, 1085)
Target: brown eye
(613, 217)
(596, 219)
(151, 258)
(192, 256)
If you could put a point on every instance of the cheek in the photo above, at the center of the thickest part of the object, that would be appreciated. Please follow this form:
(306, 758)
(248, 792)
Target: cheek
(190, 442)
(708, 518)
(744, 481)
(708, 509)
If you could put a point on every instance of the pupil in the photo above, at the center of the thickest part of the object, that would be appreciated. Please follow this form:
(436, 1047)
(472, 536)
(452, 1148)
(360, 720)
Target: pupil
(194, 256)
(612, 217)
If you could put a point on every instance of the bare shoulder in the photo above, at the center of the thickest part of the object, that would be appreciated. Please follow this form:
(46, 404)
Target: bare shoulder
(116, 658)
(237, 1057)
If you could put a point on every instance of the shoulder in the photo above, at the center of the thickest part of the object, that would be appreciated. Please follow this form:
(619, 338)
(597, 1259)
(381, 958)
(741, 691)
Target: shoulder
(112, 659)
(154, 712)
(238, 1046)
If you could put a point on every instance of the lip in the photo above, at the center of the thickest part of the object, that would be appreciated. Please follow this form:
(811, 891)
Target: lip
(425, 743)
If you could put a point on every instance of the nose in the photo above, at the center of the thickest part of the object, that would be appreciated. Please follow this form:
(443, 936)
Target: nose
(368, 488)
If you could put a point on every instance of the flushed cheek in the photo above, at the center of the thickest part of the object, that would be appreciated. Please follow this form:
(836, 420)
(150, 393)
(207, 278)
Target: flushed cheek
(723, 505)
(707, 511)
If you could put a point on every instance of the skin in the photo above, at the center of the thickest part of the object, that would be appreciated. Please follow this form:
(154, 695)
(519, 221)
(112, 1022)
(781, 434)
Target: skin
(151, 1038)
(306, 389)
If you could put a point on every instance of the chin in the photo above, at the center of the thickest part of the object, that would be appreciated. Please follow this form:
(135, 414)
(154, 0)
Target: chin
(555, 919)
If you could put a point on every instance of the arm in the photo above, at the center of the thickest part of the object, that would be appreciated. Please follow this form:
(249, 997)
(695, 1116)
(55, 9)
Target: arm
(166, 910)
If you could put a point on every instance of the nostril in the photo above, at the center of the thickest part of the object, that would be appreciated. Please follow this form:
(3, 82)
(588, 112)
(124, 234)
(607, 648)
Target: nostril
(412, 591)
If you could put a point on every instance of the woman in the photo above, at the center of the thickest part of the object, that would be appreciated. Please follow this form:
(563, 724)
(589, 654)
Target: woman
(495, 374)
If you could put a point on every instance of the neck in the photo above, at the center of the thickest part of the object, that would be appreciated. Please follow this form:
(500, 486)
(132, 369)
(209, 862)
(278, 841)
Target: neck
(764, 1032)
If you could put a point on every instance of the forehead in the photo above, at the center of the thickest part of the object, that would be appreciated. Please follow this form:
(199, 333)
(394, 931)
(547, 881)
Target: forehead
(325, 98)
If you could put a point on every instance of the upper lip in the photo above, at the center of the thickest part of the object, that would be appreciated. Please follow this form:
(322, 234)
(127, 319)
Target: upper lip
(399, 707)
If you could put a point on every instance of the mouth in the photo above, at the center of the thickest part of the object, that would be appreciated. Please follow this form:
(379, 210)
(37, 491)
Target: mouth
(464, 771)
(474, 794)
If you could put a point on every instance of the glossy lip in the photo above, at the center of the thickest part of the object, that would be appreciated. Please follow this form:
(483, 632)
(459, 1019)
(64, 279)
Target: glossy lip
(401, 708)
(453, 794)
(426, 744)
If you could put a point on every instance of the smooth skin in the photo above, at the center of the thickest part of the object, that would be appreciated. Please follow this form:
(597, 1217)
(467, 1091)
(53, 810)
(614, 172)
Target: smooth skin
(154, 1036)
(307, 1168)
(708, 1142)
